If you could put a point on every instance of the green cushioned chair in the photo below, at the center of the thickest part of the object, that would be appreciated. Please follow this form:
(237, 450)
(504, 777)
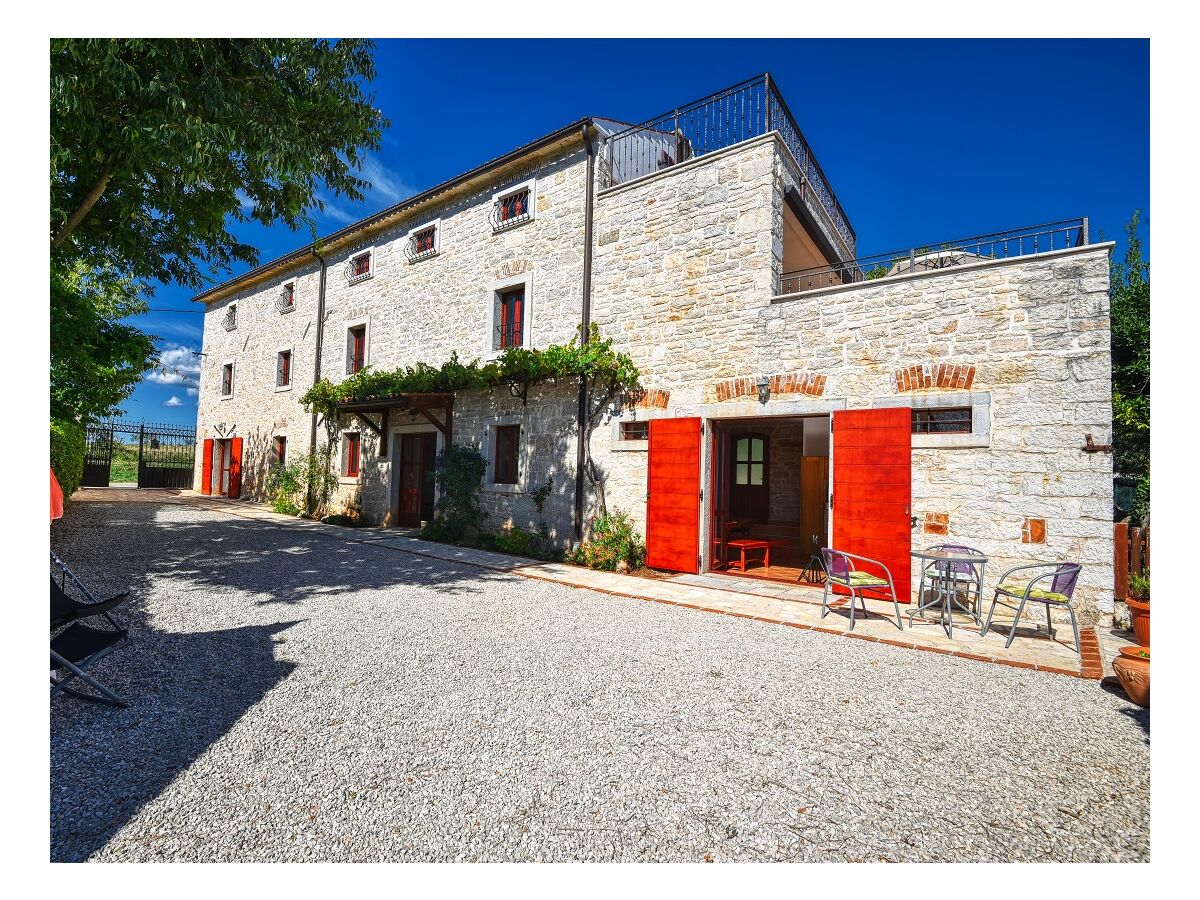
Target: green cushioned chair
(1051, 584)
(840, 570)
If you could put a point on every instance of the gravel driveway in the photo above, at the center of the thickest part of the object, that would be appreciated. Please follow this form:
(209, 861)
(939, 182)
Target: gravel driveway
(298, 697)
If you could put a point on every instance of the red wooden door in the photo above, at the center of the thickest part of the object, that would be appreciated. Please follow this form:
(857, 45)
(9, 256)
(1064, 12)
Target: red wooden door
(411, 479)
(206, 466)
(673, 495)
(872, 488)
(235, 468)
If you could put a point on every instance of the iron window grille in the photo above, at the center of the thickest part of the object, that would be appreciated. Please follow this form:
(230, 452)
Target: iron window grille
(283, 369)
(286, 301)
(227, 380)
(360, 267)
(635, 431)
(510, 331)
(511, 209)
(356, 349)
(230, 321)
(946, 420)
(422, 244)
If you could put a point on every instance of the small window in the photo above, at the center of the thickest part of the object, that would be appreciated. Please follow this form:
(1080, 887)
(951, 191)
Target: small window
(230, 321)
(513, 206)
(356, 349)
(749, 461)
(508, 439)
(423, 242)
(351, 451)
(279, 451)
(946, 420)
(283, 369)
(360, 266)
(287, 298)
(510, 316)
(227, 380)
(635, 431)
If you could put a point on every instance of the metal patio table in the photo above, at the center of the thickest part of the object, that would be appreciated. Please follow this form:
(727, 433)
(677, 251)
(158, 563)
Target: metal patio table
(944, 586)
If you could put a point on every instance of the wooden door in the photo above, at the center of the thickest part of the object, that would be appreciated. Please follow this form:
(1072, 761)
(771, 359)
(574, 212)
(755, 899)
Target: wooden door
(221, 487)
(872, 488)
(673, 495)
(814, 499)
(412, 448)
(428, 464)
(206, 467)
(749, 461)
(235, 468)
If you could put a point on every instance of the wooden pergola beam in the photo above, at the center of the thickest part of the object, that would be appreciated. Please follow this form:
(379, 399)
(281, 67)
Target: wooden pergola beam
(424, 404)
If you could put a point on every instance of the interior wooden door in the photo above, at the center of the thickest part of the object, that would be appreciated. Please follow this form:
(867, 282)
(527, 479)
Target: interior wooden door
(749, 491)
(411, 479)
(814, 499)
(673, 495)
(872, 488)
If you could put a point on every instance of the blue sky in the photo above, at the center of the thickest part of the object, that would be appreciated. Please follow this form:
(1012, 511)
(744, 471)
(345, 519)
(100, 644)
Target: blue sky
(922, 140)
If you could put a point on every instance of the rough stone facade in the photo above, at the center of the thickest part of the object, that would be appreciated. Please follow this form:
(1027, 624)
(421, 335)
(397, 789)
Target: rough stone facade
(685, 265)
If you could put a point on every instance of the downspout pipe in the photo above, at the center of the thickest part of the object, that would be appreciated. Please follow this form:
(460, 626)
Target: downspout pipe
(320, 335)
(585, 327)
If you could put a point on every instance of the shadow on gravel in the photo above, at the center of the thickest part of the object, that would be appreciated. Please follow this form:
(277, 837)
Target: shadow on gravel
(1141, 716)
(189, 688)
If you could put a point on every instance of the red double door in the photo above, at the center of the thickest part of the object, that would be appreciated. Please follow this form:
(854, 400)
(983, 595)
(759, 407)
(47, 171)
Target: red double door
(221, 467)
(872, 490)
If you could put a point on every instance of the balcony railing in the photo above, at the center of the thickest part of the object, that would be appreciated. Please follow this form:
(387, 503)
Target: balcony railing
(944, 255)
(720, 120)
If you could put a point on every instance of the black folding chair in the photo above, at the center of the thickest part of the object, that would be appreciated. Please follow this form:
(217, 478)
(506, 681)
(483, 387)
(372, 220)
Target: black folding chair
(76, 646)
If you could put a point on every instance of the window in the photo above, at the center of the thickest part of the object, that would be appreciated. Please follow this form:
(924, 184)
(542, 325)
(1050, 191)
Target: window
(510, 317)
(227, 380)
(424, 241)
(356, 348)
(287, 298)
(944, 420)
(351, 452)
(513, 205)
(635, 431)
(360, 266)
(749, 461)
(504, 467)
(279, 451)
(283, 369)
(230, 320)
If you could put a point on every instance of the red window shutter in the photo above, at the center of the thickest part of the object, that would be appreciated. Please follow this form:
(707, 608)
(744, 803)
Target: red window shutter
(673, 501)
(352, 455)
(206, 471)
(235, 468)
(872, 488)
(517, 317)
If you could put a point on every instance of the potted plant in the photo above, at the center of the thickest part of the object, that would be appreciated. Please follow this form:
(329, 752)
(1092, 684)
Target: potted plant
(1138, 602)
(1133, 669)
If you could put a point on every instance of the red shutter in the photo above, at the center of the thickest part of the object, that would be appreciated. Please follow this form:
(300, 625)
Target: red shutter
(673, 495)
(235, 468)
(872, 488)
(206, 467)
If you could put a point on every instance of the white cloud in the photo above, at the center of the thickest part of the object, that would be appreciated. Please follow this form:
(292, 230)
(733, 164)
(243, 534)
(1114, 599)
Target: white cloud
(176, 365)
(385, 184)
(244, 201)
(173, 401)
(193, 392)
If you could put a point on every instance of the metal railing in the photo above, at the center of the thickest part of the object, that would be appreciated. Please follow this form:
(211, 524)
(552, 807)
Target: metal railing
(508, 335)
(943, 255)
(229, 323)
(735, 114)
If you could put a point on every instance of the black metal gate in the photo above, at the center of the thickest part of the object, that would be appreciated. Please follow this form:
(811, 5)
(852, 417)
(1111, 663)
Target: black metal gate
(145, 454)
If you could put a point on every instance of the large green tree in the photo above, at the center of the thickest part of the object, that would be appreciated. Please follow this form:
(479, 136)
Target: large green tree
(158, 148)
(1130, 313)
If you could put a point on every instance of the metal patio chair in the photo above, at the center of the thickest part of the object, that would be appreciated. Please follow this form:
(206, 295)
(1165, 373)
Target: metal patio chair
(1057, 589)
(76, 646)
(969, 575)
(840, 571)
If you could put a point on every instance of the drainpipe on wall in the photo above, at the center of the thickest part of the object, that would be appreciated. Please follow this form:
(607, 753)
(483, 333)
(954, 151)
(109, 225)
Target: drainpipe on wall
(320, 333)
(585, 327)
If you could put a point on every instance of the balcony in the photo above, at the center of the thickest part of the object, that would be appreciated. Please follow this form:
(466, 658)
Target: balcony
(720, 120)
(947, 254)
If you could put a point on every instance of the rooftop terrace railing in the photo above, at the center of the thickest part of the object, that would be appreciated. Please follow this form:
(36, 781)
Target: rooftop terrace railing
(735, 114)
(944, 255)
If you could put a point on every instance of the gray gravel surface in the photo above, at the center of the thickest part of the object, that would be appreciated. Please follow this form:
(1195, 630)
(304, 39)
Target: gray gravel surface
(298, 697)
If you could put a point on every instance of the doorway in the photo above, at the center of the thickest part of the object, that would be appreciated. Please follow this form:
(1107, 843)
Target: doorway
(417, 455)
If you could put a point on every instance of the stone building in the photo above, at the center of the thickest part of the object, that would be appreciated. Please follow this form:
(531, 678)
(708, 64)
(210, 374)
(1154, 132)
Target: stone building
(710, 246)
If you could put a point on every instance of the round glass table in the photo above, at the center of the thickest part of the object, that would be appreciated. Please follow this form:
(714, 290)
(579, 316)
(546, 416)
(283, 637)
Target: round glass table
(953, 571)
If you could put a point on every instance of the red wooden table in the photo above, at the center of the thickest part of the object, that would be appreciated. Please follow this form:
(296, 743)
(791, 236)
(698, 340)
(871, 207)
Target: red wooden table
(742, 545)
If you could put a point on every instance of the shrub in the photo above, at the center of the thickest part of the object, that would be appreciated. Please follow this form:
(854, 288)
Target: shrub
(1139, 587)
(305, 482)
(614, 540)
(459, 476)
(516, 541)
(67, 442)
(284, 506)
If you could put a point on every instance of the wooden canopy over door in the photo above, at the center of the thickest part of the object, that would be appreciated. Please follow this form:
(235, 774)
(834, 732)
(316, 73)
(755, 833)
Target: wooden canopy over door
(872, 488)
(673, 495)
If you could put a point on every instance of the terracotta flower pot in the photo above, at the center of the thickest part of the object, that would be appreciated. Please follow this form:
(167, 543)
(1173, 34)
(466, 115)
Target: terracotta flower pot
(1139, 618)
(1134, 673)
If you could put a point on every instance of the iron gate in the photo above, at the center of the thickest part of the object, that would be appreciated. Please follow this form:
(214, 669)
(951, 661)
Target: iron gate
(147, 454)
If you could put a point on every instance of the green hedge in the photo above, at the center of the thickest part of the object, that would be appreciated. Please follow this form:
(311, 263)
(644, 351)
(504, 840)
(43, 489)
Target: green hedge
(66, 453)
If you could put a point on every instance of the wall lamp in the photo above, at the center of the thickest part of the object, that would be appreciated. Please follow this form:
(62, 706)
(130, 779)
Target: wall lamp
(764, 389)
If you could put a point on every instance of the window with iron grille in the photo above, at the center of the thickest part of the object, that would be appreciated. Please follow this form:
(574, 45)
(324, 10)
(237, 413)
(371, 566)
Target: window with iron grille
(351, 452)
(635, 431)
(283, 369)
(360, 266)
(423, 242)
(356, 348)
(508, 440)
(279, 451)
(230, 320)
(287, 298)
(227, 380)
(513, 206)
(510, 318)
(944, 420)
